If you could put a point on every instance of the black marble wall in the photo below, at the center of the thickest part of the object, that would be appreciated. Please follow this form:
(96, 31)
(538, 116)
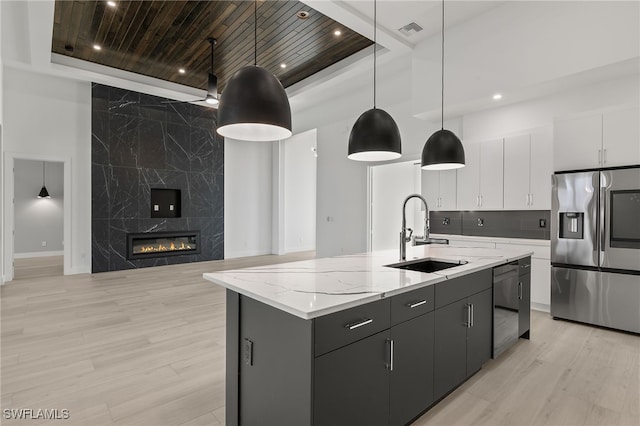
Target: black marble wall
(139, 142)
(504, 224)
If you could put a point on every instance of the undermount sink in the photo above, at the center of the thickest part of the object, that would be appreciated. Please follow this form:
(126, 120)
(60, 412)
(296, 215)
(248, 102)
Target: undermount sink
(426, 265)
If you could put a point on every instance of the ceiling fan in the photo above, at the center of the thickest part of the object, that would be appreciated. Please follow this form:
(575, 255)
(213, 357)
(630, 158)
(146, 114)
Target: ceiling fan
(212, 85)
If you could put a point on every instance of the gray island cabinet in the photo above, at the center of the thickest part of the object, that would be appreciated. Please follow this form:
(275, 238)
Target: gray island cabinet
(382, 362)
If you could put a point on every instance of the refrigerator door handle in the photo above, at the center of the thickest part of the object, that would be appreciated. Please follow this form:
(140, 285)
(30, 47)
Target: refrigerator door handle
(602, 223)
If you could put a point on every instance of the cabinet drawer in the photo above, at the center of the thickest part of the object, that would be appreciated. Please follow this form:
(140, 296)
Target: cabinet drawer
(524, 265)
(449, 291)
(411, 304)
(341, 328)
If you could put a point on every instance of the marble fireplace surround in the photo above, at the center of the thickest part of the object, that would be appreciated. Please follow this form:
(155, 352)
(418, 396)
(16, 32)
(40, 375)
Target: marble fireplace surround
(138, 143)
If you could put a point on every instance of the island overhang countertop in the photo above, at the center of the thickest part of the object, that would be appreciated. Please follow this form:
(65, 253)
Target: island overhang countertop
(317, 287)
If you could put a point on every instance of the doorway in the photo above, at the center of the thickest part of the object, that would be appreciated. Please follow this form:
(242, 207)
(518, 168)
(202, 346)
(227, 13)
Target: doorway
(36, 227)
(38, 247)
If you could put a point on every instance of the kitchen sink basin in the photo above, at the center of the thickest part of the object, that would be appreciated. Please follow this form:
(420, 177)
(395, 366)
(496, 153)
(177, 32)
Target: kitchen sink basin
(425, 241)
(426, 265)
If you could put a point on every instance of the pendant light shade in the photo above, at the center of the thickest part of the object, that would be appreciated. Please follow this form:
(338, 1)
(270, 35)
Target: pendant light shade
(374, 137)
(443, 150)
(254, 107)
(43, 192)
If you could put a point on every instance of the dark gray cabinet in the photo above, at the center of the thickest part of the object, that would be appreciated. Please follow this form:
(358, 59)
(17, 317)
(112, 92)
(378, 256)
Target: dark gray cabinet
(382, 363)
(412, 370)
(524, 297)
(463, 326)
(351, 384)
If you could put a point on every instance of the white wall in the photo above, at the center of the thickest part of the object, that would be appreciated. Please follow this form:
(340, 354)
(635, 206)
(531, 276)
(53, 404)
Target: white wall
(50, 119)
(247, 198)
(300, 192)
(38, 220)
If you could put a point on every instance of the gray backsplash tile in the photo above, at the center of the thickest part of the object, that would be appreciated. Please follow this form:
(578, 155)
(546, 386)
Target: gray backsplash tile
(504, 224)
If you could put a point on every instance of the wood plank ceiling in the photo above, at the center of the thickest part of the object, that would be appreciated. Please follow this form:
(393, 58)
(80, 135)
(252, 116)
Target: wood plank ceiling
(156, 38)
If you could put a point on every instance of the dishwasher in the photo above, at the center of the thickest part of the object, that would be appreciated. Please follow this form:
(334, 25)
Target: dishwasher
(505, 307)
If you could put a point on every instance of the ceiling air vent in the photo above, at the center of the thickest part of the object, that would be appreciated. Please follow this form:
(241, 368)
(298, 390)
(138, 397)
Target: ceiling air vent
(410, 29)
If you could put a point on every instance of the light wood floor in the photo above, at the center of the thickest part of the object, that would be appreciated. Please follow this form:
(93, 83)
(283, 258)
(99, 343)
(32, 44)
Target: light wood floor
(146, 347)
(37, 267)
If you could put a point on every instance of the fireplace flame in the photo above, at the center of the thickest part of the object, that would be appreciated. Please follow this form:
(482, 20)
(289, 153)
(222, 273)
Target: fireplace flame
(161, 247)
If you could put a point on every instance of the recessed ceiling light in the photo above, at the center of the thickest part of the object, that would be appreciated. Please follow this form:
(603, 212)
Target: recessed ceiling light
(97, 47)
(337, 33)
(283, 65)
(111, 3)
(182, 71)
(497, 97)
(303, 14)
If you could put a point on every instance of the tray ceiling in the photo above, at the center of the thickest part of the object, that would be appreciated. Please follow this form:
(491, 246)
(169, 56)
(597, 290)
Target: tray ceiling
(157, 38)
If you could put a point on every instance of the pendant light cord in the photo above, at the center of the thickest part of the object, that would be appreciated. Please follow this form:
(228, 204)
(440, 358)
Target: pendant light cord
(213, 42)
(375, 48)
(43, 173)
(442, 73)
(255, 33)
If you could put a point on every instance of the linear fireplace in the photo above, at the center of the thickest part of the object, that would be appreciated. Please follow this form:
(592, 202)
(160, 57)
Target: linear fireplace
(160, 244)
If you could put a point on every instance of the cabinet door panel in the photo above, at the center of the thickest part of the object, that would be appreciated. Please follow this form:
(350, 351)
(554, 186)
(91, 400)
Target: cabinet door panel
(479, 334)
(448, 185)
(524, 305)
(412, 375)
(351, 385)
(468, 188)
(541, 169)
(449, 347)
(516, 172)
(576, 142)
(621, 137)
(431, 188)
(491, 177)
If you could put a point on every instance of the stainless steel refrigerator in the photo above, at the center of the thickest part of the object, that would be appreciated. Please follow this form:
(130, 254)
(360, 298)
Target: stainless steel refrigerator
(595, 247)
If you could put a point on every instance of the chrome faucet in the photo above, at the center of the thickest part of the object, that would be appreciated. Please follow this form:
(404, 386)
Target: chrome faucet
(404, 239)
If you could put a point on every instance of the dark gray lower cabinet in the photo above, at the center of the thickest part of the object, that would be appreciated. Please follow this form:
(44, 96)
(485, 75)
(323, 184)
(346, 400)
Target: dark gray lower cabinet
(412, 374)
(351, 384)
(479, 343)
(381, 363)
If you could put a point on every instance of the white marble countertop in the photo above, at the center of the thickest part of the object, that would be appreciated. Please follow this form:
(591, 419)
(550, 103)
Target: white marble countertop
(312, 288)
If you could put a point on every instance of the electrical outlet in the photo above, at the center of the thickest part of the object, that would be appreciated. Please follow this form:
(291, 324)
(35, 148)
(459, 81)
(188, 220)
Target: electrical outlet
(44, 244)
(480, 221)
(542, 223)
(446, 221)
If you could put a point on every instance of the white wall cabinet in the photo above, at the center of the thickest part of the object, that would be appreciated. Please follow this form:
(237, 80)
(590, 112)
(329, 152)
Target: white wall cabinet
(527, 171)
(480, 182)
(604, 139)
(439, 189)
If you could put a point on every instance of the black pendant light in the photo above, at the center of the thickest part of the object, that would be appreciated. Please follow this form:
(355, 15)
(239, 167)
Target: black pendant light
(43, 192)
(443, 150)
(254, 105)
(374, 136)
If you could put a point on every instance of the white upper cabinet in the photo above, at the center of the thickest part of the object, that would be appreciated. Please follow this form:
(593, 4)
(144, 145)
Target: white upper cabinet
(527, 171)
(439, 189)
(621, 137)
(480, 182)
(598, 140)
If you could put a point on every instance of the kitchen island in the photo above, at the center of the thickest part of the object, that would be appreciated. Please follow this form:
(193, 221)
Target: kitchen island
(350, 340)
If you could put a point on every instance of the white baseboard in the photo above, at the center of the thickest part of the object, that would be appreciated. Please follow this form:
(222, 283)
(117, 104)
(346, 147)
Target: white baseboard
(79, 270)
(248, 253)
(297, 249)
(38, 254)
(542, 307)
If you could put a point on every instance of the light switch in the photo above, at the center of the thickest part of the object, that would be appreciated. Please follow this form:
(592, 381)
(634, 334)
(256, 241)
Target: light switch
(156, 208)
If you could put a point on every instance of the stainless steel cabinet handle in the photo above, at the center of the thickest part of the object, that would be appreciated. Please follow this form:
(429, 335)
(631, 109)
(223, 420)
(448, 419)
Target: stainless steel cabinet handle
(416, 304)
(604, 157)
(527, 199)
(471, 306)
(468, 306)
(530, 199)
(358, 324)
(599, 156)
(391, 363)
(520, 290)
